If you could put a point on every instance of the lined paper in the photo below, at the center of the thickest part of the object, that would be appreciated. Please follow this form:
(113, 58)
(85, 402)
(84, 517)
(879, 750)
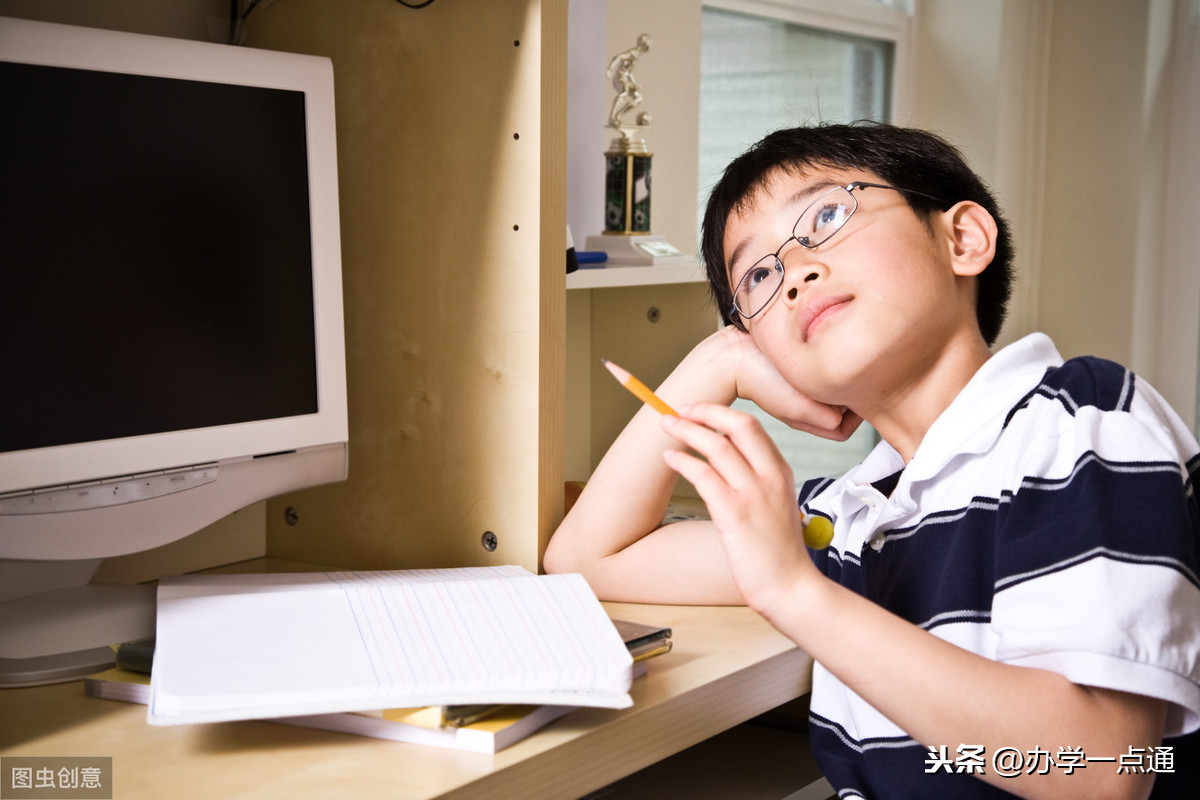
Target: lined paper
(256, 646)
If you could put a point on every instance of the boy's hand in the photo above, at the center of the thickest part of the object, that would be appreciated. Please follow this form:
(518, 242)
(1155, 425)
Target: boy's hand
(757, 380)
(749, 491)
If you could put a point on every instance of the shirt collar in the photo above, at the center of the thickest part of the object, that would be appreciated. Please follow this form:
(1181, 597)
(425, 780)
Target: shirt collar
(974, 420)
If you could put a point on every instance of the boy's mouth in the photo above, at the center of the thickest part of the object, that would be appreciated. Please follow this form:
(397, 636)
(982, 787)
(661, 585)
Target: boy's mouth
(820, 309)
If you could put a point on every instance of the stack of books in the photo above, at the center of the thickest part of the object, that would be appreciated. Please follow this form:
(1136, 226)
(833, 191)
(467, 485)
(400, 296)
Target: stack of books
(474, 658)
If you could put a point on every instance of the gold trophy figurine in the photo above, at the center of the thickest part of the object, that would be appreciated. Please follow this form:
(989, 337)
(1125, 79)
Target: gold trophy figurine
(627, 239)
(629, 96)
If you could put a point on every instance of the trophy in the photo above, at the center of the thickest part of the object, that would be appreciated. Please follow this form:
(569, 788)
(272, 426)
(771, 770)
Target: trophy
(627, 238)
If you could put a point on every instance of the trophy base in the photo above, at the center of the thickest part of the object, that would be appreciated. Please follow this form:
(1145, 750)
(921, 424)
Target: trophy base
(646, 250)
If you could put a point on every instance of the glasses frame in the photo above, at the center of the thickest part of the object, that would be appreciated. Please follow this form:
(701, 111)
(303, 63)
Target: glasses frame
(806, 242)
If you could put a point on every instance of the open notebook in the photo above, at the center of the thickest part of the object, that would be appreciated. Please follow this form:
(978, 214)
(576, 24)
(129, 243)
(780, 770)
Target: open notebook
(275, 645)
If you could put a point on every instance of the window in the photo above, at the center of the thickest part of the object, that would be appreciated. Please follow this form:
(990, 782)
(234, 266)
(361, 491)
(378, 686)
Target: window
(759, 74)
(772, 64)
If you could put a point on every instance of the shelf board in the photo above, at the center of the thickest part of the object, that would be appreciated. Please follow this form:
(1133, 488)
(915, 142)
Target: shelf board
(609, 277)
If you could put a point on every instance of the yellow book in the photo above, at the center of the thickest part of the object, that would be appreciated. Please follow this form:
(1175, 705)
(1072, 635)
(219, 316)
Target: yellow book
(499, 729)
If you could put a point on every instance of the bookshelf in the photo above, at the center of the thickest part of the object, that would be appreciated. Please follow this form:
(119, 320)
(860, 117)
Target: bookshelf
(471, 356)
(643, 318)
(616, 277)
(451, 138)
(613, 312)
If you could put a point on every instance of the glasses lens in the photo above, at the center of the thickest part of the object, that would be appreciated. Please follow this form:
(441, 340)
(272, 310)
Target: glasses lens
(824, 217)
(758, 286)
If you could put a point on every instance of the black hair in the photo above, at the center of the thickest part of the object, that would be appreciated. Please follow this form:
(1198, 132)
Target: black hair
(907, 158)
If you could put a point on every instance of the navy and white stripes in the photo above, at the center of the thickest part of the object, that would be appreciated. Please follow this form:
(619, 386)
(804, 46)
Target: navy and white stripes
(1047, 520)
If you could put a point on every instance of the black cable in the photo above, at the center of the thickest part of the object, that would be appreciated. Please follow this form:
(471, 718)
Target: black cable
(233, 21)
(253, 4)
(237, 18)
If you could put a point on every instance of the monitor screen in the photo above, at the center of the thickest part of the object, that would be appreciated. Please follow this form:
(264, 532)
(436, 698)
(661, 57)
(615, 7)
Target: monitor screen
(156, 232)
(171, 330)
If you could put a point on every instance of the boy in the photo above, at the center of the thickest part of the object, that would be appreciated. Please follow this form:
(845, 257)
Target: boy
(1013, 568)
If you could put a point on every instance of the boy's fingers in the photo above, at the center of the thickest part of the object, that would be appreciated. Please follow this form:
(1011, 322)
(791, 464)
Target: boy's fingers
(745, 430)
(711, 486)
(722, 456)
(732, 440)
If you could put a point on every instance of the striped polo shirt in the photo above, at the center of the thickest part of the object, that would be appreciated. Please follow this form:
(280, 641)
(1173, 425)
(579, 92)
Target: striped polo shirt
(1047, 520)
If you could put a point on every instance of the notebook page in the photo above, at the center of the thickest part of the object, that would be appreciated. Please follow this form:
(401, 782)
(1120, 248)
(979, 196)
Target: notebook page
(236, 647)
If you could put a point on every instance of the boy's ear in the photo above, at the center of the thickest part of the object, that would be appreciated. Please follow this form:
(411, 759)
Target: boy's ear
(972, 231)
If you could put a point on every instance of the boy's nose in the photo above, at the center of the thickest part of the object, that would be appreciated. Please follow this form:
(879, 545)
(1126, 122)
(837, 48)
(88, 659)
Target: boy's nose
(806, 267)
(794, 291)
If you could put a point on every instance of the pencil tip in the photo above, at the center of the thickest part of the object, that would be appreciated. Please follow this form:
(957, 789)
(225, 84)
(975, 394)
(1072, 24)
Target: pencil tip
(604, 361)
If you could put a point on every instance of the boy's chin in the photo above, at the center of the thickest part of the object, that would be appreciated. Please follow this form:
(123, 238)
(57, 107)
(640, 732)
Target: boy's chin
(832, 384)
(823, 393)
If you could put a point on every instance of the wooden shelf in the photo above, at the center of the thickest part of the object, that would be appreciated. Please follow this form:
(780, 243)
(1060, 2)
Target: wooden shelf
(609, 277)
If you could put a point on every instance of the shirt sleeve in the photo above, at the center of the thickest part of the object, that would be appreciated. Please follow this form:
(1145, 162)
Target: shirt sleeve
(1096, 549)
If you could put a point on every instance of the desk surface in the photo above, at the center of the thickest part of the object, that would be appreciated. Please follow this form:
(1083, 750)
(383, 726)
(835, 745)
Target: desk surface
(727, 665)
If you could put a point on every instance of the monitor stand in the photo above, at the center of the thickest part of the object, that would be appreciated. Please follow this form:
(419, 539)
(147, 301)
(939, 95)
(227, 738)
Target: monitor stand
(69, 631)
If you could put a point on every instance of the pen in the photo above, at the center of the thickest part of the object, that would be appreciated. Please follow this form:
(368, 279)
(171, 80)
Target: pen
(639, 389)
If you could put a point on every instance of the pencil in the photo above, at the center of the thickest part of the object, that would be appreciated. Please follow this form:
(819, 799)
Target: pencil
(818, 531)
(639, 389)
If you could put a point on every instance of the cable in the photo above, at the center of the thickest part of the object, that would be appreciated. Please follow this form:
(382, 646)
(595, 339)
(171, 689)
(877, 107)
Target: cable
(237, 18)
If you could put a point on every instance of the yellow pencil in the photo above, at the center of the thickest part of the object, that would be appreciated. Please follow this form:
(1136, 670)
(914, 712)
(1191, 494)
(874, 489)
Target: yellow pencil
(639, 389)
(818, 531)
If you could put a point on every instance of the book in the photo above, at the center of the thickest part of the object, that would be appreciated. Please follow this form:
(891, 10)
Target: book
(285, 645)
(118, 684)
(506, 726)
(643, 641)
(474, 728)
(503, 725)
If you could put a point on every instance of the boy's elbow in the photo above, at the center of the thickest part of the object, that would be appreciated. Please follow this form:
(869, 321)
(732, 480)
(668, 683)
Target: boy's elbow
(567, 550)
(555, 560)
(560, 556)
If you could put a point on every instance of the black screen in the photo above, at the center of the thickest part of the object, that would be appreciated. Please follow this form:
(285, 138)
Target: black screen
(155, 256)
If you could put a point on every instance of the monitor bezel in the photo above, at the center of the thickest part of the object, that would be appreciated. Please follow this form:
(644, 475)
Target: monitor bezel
(58, 45)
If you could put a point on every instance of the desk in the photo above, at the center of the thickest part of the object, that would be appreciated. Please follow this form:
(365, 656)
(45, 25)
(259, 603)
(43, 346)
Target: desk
(727, 665)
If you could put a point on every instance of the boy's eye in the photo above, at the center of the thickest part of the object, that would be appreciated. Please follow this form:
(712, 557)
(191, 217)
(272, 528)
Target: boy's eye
(758, 274)
(832, 214)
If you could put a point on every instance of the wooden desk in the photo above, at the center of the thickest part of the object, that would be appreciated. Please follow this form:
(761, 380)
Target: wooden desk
(727, 666)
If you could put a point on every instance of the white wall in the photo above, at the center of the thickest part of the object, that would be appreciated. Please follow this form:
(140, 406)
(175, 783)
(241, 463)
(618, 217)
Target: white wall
(1082, 114)
(1167, 321)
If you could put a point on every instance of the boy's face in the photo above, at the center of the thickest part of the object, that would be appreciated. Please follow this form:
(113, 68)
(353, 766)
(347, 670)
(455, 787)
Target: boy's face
(863, 312)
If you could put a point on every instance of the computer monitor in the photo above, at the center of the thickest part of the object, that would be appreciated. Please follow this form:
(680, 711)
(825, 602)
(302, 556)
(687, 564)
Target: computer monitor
(171, 333)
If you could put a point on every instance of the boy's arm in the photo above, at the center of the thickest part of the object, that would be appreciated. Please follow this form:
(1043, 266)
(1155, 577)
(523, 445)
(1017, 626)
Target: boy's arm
(614, 534)
(937, 692)
(943, 695)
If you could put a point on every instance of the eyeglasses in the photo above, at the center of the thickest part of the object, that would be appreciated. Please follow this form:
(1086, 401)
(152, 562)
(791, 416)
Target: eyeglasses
(819, 221)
